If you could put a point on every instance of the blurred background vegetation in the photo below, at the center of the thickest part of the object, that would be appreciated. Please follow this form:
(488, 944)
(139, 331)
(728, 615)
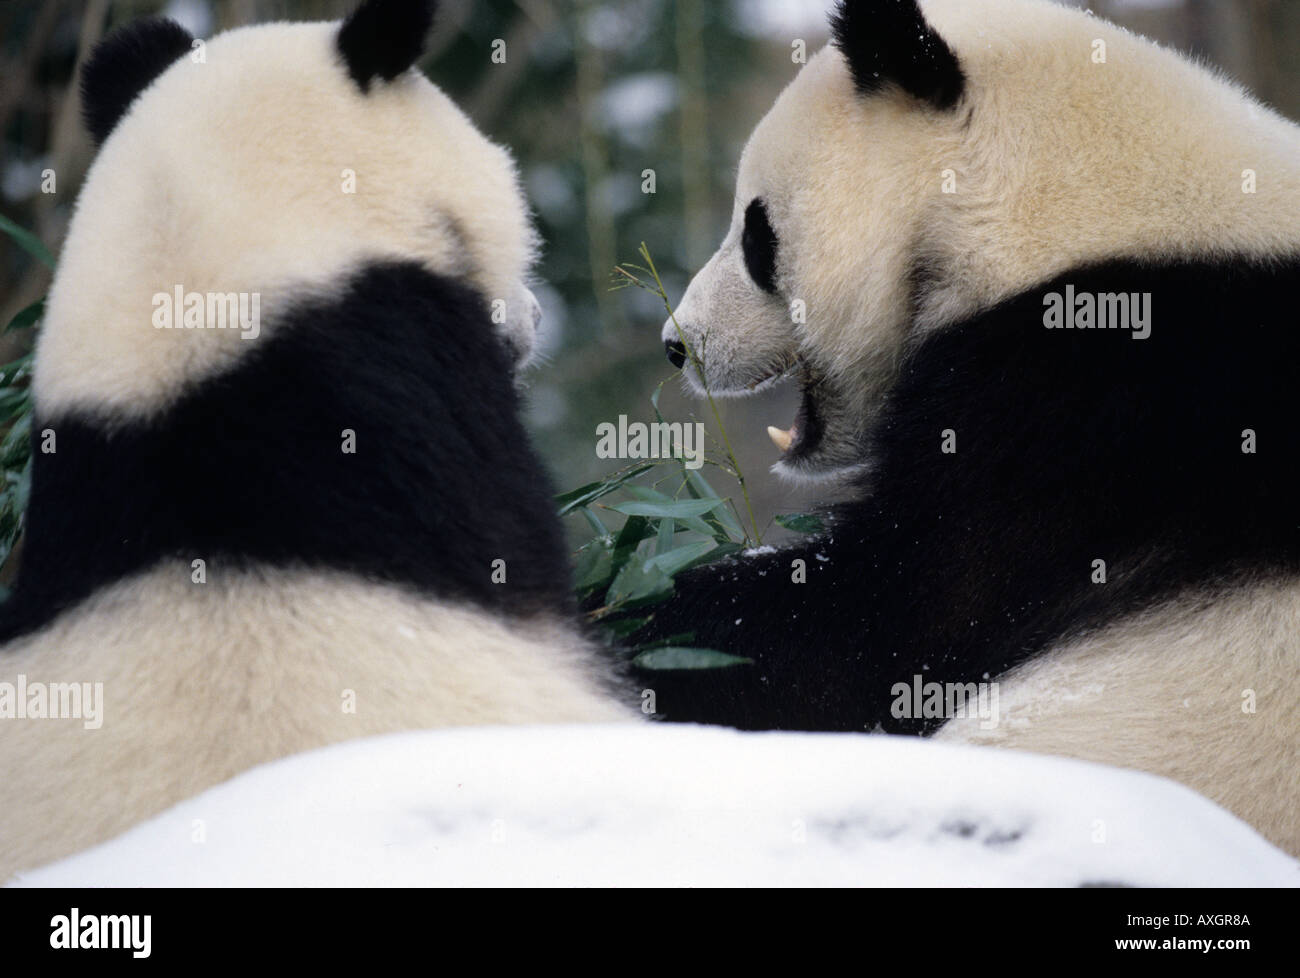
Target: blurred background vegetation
(592, 94)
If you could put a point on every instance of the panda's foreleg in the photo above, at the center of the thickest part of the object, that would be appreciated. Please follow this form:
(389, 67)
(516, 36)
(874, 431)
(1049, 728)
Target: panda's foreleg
(797, 614)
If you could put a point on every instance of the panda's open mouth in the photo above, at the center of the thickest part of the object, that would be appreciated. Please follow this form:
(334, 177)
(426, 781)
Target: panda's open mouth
(805, 433)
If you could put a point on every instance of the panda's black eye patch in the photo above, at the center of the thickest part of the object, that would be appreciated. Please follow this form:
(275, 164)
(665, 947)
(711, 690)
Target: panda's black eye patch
(758, 241)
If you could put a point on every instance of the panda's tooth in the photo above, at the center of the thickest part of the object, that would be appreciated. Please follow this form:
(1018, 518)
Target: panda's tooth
(781, 439)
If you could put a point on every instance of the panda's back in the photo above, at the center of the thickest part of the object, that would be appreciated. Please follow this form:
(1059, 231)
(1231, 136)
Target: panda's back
(200, 683)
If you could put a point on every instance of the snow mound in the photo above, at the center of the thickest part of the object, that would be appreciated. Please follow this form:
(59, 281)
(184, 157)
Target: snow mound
(656, 805)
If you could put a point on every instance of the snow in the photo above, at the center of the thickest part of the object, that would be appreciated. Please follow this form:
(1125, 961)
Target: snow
(659, 805)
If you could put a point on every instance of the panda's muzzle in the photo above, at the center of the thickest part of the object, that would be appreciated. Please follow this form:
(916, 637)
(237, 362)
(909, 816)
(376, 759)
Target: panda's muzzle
(802, 440)
(804, 434)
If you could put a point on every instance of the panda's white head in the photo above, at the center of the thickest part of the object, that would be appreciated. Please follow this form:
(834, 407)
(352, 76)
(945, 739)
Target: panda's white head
(941, 156)
(269, 160)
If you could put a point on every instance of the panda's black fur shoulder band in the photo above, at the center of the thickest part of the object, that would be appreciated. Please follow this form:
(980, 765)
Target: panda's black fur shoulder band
(1175, 459)
(248, 467)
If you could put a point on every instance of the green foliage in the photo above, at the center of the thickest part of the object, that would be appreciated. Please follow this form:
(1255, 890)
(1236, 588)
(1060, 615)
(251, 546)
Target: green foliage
(663, 534)
(16, 410)
(674, 520)
(28, 317)
(27, 241)
(800, 522)
(679, 657)
(15, 447)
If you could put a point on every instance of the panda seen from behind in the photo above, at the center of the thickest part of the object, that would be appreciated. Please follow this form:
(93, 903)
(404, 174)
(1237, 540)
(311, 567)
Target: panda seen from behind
(1036, 280)
(320, 521)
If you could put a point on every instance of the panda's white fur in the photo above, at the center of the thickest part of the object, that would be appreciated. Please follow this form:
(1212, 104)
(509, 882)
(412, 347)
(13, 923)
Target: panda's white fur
(267, 212)
(228, 175)
(200, 684)
(1059, 162)
(1207, 692)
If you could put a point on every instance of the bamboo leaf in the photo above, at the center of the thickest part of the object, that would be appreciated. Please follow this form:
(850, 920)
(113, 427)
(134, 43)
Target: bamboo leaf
(594, 521)
(28, 317)
(623, 627)
(674, 509)
(27, 241)
(638, 582)
(588, 494)
(594, 564)
(664, 540)
(675, 560)
(801, 522)
(679, 657)
(726, 527)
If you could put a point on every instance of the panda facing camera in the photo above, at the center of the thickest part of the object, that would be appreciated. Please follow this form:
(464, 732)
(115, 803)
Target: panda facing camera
(1086, 501)
(324, 524)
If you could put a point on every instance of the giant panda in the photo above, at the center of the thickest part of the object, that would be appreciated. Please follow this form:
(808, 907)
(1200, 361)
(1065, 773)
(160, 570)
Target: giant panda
(1100, 521)
(262, 540)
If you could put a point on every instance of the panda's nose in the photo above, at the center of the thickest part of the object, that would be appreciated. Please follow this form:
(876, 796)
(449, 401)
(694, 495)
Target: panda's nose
(676, 350)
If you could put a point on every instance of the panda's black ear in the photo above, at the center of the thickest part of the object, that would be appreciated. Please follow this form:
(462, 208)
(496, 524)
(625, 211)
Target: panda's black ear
(382, 38)
(123, 65)
(888, 41)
